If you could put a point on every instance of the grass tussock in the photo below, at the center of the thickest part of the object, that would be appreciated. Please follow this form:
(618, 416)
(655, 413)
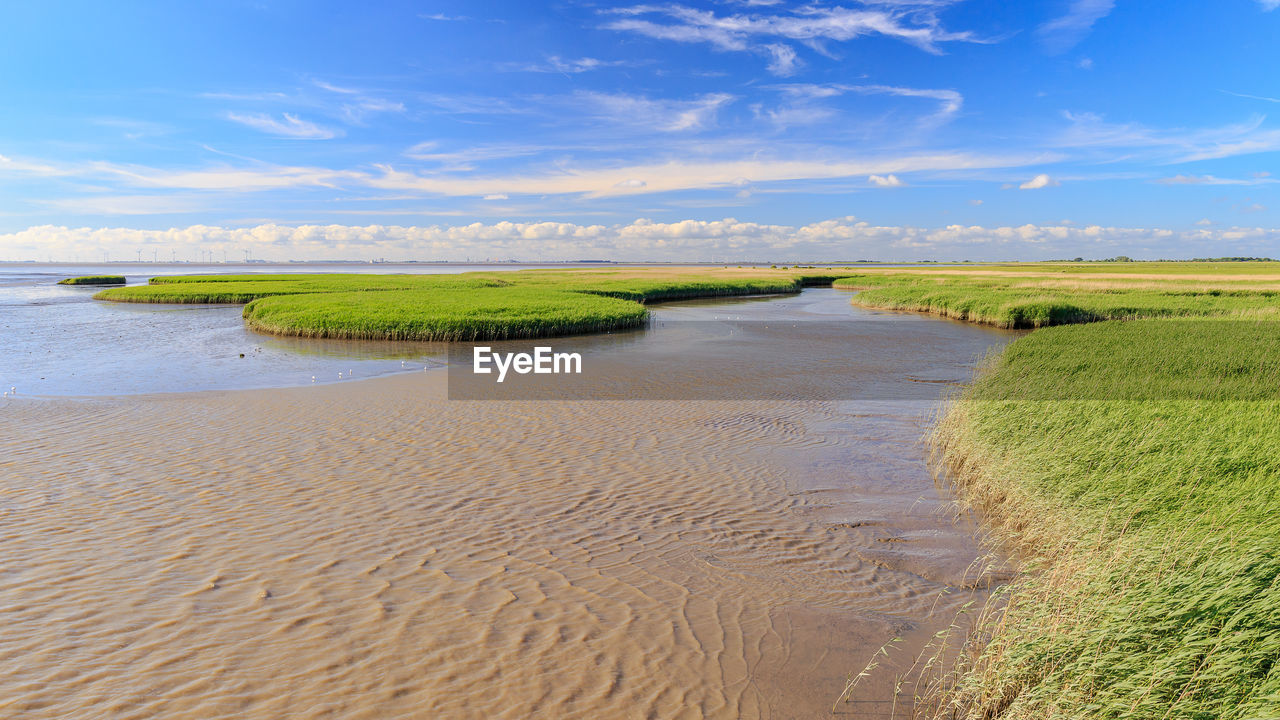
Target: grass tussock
(94, 280)
(469, 306)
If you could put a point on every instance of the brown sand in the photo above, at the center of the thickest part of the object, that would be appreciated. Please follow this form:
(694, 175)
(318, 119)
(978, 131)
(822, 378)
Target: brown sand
(373, 550)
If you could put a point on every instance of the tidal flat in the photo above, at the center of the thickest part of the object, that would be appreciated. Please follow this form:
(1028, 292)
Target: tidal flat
(739, 544)
(375, 550)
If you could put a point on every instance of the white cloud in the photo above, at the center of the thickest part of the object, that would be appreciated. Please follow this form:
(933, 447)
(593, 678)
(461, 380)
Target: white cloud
(357, 113)
(806, 101)
(1269, 5)
(885, 180)
(1264, 98)
(631, 183)
(1040, 181)
(975, 203)
(1085, 63)
(725, 168)
(1089, 130)
(845, 237)
(1062, 34)
(466, 158)
(128, 205)
(226, 178)
(496, 196)
(360, 105)
(661, 115)
(568, 66)
(693, 174)
(335, 88)
(8, 164)
(1212, 180)
(291, 126)
(783, 60)
(949, 101)
(1203, 222)
(915, 23)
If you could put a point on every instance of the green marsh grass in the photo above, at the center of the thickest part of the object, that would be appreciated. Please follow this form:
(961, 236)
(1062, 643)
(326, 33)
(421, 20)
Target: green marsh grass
(1136, 468)
(94, 280)
(1132, 468)
(1042, 301)
(469, 306)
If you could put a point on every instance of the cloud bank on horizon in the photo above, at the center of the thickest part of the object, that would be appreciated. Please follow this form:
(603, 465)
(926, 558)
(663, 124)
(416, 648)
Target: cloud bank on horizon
(878, 129)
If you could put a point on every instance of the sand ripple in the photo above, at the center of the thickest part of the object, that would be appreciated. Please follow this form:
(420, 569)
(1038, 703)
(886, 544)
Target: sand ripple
(373, 550)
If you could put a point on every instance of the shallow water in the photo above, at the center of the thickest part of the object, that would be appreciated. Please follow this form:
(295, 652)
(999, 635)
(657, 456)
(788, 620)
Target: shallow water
(58, 341)
(375, 550)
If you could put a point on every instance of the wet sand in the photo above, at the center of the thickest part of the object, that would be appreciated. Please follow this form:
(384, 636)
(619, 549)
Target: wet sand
(374, 550)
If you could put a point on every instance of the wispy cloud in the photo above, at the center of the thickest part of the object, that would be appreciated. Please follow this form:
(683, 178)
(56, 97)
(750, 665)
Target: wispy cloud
(442, 17)
(1063, 33)
(253, 178)
(358, 105)
(27, 167)
(245, 96)
(915, 23)
(657, 114)
(565, 66)
(466, 158)
(359, 112)
(949, 101)
(1212, 180)
(806, 103)
(1089, 130)
(128, 205)
(563, 178)
(1253, 97)
(1269, 5)
(289, 126)
(691, 174)
(335, 88)
(132, 129)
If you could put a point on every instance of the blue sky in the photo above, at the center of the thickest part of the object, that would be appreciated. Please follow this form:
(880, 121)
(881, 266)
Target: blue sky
(883, 129)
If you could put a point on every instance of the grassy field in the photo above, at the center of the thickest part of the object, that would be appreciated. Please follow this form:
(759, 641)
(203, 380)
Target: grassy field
(1133, 468)
(470, 306)
(94, 280)
(1036, 295)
